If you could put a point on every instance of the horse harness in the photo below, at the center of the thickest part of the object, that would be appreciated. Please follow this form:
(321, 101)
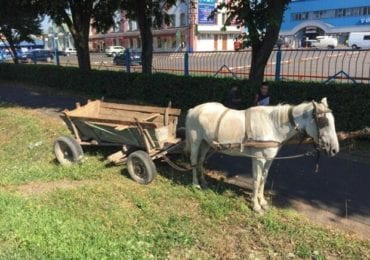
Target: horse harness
(319, 116)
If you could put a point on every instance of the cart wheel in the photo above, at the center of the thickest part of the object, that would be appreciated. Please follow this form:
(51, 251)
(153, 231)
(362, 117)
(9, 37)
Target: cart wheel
(141, 167)
(67, 150)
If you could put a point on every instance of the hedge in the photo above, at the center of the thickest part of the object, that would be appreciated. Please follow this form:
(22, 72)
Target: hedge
(350, 102)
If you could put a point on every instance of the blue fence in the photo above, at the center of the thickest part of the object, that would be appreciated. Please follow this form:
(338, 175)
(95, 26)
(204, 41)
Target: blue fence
(343, 65)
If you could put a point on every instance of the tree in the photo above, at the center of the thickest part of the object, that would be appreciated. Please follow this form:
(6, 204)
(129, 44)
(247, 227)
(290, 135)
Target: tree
(19, 20)
(148, 14)
(79, 16)
(263, 19)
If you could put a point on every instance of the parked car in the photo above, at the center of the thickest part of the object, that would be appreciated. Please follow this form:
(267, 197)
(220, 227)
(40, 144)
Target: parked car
(37, 55)
(2, 57)
(357, 40)
(120, 59)
(324, 42)
(70, 51)
(112, 51)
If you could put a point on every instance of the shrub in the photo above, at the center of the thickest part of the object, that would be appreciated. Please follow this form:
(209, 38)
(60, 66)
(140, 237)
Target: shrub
(349, 102)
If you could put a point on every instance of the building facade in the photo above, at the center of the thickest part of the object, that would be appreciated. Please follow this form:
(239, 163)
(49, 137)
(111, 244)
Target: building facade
(189, 29)
(210, 34)
(58, 36)
(126, 32)
(310, 18)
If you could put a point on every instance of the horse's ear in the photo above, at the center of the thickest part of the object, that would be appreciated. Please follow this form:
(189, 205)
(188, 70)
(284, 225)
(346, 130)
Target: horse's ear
(324, 101)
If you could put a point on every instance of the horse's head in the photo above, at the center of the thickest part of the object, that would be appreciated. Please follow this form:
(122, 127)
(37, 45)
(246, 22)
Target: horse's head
(321, 127)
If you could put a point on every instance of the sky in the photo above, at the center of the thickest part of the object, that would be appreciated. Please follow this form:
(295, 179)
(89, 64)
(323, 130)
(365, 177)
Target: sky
(45, 24)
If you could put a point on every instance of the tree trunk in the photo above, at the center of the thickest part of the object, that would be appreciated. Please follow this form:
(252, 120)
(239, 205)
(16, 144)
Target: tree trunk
(261, 50)
(79, 27)
(144, 23)
(83, 53)
(13, 50)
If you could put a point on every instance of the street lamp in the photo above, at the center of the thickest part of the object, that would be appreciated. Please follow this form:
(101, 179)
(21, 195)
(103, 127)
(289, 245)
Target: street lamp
(54, 36)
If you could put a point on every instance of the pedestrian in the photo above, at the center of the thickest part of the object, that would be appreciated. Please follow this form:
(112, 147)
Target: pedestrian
(233, 100)
(262, 97)
(237, 44)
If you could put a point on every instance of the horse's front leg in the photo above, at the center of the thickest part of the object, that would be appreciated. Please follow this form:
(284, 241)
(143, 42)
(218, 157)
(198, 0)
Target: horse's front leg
(261, 195)
(203, 151)
(257, 168)
(194, 162)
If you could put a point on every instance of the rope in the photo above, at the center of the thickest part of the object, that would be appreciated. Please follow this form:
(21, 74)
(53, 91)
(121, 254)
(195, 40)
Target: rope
(182, 169)
(175, 166)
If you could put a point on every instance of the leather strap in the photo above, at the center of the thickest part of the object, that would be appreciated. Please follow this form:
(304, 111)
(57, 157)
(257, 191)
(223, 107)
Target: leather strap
(248, 125)
(219, 123)
(291, 119)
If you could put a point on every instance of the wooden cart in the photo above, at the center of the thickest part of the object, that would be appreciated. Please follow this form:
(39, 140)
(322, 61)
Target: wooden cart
(140, 133)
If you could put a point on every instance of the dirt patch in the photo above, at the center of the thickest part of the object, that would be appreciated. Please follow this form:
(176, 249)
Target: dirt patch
(39, 188)
(331, 220)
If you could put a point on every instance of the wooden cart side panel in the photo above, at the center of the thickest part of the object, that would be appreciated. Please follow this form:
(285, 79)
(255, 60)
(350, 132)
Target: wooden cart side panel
(90, 109)
(138, 108)
(100, 133)
(109, 120)
(130, 115)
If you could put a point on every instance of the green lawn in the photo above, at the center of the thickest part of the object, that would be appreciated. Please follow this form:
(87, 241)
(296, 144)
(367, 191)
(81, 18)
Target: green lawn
(95, 211)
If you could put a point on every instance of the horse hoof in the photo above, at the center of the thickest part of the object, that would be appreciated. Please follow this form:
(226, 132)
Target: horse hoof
(204, 186)
(197, 186)
(258, 210)
(265, 207)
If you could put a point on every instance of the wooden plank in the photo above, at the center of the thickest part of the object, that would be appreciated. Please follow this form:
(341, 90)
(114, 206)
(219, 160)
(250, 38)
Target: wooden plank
(152, 116)
(114, 121)
(150, 109)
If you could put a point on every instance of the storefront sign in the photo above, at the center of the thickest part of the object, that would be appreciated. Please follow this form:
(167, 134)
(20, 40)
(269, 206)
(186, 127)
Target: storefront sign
(365, 20)
(205, 8)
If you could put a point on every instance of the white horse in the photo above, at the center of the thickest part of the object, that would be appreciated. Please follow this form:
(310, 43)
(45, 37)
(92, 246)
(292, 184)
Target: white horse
(212, 125)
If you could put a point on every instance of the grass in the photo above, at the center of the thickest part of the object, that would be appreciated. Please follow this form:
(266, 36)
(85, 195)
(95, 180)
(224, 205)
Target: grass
(94, 211)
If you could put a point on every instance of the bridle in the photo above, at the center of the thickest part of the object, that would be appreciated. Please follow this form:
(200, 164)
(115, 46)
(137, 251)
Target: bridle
(321, 121)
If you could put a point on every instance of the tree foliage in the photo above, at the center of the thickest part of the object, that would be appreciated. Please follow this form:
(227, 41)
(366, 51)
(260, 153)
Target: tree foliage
(78, 16)
(263, 19)
(19, 20)
(148, 14)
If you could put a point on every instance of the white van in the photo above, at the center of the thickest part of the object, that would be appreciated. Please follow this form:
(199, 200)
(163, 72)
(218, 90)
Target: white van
(325, 42)
(358, 40)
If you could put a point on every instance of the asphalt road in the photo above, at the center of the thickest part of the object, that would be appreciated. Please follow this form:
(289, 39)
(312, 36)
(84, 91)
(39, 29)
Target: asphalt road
(342, 186)
(306, 64)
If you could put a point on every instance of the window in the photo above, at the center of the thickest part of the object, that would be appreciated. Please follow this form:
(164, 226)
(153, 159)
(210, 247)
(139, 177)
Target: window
(138, 43)
(338, 12)
(129, 24)
(331, 13)
(223, 18)
(367, 37)
(159, 42)
(174, 43)
(131, 43)
(172, 19)
(182, 19)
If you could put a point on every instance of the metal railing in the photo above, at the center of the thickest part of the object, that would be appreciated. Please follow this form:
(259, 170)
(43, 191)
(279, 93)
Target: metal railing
(342, 65)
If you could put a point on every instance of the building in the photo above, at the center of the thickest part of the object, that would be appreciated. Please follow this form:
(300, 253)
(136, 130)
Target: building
(310, 18)
(210, 34)
(58, 35)
(189, 30)
(126, 32)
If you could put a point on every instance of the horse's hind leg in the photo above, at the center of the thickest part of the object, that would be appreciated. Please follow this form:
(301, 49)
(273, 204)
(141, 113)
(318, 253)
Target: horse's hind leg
(261, 195)
(194, 151)
(203, 150)
(257, 167)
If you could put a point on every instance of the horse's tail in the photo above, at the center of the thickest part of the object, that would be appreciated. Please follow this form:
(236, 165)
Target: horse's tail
(187, 134)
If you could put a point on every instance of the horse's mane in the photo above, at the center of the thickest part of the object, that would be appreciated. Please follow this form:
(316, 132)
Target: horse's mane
(280, 114)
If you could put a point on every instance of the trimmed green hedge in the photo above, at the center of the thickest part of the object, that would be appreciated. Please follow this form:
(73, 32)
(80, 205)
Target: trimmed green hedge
(351, 103)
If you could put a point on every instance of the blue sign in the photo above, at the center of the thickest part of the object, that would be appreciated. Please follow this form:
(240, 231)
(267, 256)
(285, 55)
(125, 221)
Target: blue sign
(205, 8)
(365, 20)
